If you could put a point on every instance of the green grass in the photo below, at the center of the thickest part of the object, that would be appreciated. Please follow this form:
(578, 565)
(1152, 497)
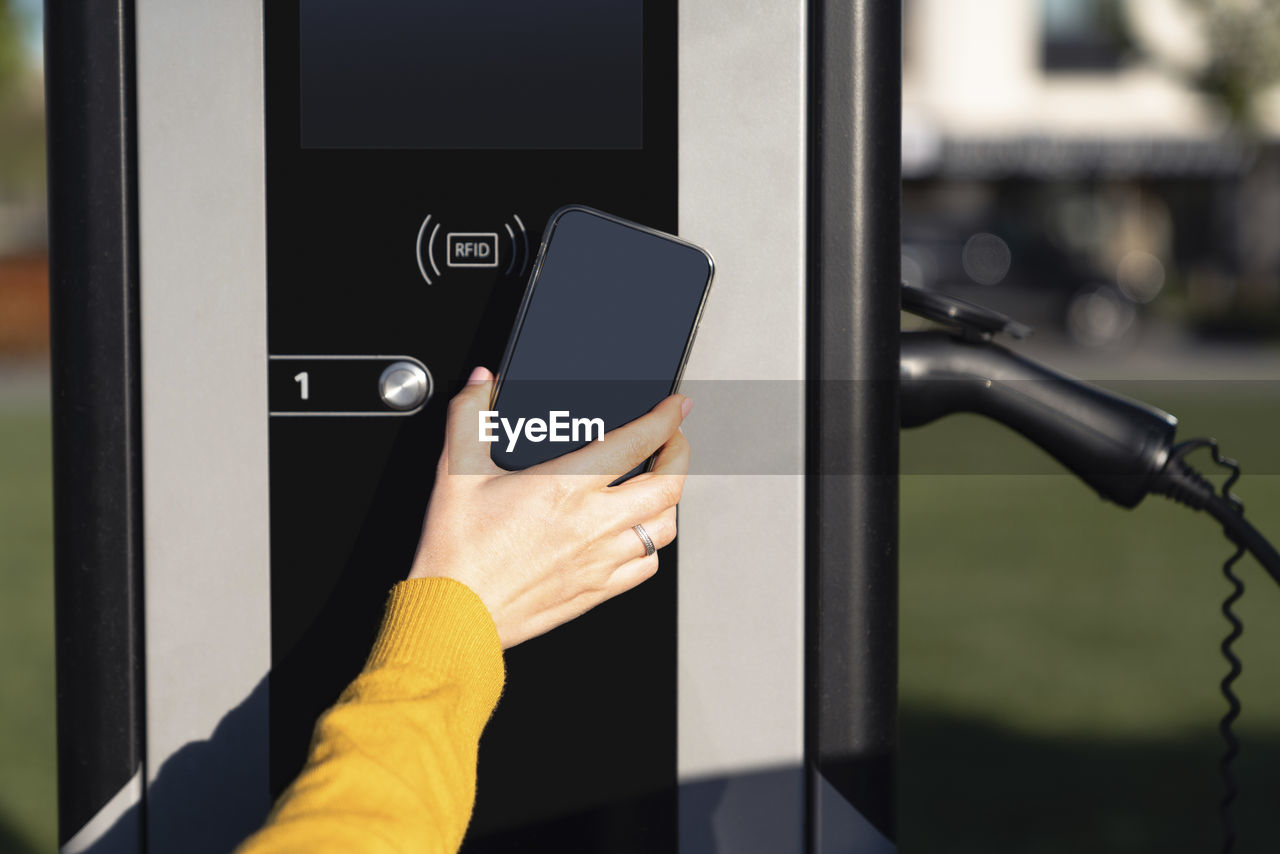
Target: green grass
(1059, 658)
(1059, 655)
(28, 801)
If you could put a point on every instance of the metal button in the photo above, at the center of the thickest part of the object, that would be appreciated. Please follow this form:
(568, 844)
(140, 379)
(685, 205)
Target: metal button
(404, 386)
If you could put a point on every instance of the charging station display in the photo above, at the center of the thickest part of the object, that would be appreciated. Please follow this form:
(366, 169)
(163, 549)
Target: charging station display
(502, 74)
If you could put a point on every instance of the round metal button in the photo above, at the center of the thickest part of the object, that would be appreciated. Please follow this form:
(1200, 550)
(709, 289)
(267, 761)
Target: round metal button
(404, 386)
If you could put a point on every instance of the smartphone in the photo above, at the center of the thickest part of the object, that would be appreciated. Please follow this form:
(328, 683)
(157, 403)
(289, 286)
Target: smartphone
(603, 334)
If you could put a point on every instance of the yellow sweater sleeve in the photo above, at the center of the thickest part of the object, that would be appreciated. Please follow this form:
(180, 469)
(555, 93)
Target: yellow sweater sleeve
(392, 765)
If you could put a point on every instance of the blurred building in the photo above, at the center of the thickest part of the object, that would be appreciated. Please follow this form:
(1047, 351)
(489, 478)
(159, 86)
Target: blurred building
(1096, 166)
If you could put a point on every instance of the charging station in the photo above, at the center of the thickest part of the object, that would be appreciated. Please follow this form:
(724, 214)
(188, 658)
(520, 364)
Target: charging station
(283, 233)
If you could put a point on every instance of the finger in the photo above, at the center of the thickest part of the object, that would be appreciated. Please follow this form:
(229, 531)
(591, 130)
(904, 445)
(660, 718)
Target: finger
(673, 458)
(464, 453)
(630, 502)
(661, 528)
(624, 448)
(630, 574)
(653, 492)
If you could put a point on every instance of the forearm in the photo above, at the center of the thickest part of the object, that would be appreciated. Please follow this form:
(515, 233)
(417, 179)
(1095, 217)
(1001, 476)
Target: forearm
(392, 764)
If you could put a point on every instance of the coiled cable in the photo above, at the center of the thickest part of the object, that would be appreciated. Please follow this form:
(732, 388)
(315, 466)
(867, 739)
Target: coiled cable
(1184, 484)
(1231, 789)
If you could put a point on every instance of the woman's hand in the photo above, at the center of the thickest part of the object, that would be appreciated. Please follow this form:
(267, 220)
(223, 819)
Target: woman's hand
(544, 545)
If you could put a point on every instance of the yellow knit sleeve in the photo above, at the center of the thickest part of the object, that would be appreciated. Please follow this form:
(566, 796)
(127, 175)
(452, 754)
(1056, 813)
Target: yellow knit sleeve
(392, 765)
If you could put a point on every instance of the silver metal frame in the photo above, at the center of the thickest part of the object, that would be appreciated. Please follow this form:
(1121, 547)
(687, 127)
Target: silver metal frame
(202, 240)
(742, 162)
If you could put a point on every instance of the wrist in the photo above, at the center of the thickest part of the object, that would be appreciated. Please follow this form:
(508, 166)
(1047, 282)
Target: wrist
(438, 625)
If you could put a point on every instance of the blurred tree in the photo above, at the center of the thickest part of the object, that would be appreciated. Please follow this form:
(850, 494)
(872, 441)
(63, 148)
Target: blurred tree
(11, 50)
(1243, 38)
(1229, 49)
(21, 112)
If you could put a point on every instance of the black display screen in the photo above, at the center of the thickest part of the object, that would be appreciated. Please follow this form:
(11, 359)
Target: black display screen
(472, 74)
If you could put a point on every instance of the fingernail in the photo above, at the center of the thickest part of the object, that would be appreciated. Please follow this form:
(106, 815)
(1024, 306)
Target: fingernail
(478, 375)
(685, 406)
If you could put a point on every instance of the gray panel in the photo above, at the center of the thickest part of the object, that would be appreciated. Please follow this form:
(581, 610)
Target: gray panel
(742, 196)
(761, 812)
(204, 394)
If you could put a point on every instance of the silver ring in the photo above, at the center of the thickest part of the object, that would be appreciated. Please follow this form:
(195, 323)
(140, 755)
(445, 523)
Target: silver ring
(649, 547)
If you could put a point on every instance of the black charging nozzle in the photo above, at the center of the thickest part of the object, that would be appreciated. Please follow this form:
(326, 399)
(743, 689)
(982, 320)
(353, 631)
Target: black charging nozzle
(1122, 448)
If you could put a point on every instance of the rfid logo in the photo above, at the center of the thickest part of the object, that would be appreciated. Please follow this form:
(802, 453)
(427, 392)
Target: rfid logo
(471, 249)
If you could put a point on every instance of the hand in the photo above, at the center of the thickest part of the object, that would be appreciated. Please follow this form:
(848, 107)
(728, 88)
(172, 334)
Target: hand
(547, 544)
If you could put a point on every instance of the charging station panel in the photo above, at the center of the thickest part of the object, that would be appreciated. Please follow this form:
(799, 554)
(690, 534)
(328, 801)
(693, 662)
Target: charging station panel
(279, 252)
(414, 153)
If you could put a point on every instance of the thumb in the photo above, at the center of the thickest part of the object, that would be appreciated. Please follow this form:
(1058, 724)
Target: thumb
(464, 452)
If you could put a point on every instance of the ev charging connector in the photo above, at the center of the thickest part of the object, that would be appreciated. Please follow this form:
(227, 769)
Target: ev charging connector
(1122, 448)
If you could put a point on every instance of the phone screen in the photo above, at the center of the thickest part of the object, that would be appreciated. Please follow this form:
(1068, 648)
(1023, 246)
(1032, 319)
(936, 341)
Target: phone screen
(603, 335)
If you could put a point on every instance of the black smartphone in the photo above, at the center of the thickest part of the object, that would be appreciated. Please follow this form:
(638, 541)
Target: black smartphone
(602, 336)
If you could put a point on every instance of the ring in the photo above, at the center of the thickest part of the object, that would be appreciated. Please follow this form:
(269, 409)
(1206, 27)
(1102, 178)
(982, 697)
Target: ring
(649, 547)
